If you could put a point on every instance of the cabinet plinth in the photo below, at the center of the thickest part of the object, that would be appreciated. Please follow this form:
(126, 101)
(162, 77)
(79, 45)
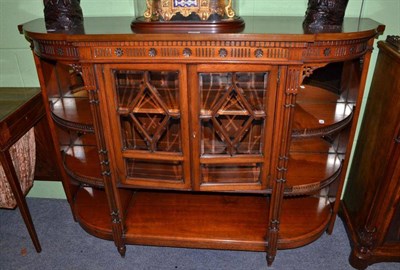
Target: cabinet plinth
(224, 141)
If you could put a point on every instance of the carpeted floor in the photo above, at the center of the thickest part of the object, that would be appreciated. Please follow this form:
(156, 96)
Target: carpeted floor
(66, 245)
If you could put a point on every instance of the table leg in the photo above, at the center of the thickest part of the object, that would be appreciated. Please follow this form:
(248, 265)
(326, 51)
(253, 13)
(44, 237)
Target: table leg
(12, 178)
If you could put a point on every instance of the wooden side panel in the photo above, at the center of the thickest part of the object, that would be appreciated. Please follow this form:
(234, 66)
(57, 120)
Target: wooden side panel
(46, 166)
(372, 193)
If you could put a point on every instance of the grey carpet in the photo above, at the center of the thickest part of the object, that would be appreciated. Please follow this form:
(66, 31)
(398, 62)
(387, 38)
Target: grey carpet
(66, 245)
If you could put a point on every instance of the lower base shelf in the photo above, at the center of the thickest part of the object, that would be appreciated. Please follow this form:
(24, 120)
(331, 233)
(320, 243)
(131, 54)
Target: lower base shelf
(204, 220)
(198, 220)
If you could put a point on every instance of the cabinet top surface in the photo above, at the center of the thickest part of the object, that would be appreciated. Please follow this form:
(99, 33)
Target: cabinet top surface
(272, 28)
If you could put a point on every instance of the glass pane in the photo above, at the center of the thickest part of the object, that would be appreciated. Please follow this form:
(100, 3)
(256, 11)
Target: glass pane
(71, 112)
(80, 155)
(170, 140)
(160, 90)
(148, 104)
(154, 170)
(234, 173)
(69, 101)
(61, 79)
(233, 111)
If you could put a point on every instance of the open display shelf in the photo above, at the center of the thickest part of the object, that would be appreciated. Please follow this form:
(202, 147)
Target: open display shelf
(78, 157)
(214, 140)
(308, 173)
(184, 219)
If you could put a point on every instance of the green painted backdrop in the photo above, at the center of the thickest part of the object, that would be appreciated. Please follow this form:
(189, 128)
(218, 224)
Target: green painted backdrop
(16, 62)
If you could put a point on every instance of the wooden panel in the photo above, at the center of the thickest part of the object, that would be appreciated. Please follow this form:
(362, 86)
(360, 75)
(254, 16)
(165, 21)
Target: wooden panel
(46, 167)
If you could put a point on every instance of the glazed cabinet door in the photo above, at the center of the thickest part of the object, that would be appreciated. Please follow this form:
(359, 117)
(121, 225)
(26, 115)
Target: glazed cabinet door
(72, 114)
(149, 125)
(232, 112)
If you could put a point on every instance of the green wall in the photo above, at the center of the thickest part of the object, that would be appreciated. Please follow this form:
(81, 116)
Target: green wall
(17, 67)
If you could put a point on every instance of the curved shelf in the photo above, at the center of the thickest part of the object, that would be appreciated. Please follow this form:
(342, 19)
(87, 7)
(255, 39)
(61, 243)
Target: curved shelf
(314, 144)
(325, 130)
(316, 94)
(319, 112)
(320, 119)
(93, 213)
(310, 172)
(303, 221)
(96, 222)
(73, 113)
(82, 164)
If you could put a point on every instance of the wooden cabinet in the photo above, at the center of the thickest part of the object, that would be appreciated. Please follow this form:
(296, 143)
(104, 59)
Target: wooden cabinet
(227, 141)
(371, 208)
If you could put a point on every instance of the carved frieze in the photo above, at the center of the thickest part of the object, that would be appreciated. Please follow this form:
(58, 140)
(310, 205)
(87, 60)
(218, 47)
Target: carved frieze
(55, 49)
(202, 50)
(335, 49)
(197, 52)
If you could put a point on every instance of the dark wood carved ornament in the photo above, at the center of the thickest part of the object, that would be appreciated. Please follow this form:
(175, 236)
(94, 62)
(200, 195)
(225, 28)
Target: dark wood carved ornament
(63, 15)
(324, 16)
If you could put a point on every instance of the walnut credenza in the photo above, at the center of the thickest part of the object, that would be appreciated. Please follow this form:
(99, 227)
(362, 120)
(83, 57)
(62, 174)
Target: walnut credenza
(226, 141)
(371, 202)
